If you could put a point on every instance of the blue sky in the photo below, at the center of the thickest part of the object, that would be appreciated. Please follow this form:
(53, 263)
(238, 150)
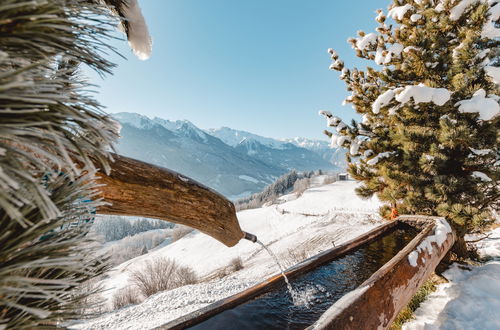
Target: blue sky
(254, 65)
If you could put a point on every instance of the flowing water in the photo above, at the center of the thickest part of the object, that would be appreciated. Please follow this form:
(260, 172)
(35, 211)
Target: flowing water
(314, 292)
(282, 270)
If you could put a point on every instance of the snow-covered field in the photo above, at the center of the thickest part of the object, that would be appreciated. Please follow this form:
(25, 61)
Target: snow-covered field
(311, 223)
(471, 299)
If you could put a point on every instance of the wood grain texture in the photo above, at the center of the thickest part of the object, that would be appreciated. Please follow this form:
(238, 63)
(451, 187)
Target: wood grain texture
(389, 289)
(135, 188)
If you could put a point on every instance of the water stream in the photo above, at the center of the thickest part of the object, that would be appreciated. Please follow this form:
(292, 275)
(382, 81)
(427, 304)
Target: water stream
(282, 270)
(314, 292)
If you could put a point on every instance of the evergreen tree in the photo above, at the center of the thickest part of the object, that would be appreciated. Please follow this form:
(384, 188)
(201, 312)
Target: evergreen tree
(53, 136)
(427, 143)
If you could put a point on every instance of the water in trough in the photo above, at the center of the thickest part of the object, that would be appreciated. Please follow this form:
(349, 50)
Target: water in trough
(314, 292)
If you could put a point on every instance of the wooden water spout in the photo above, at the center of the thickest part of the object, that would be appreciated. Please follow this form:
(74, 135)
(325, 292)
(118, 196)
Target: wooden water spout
(136, 188)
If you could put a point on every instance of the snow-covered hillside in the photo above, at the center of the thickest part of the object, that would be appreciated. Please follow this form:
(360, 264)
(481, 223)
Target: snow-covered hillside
(322, 216)
(306, 225)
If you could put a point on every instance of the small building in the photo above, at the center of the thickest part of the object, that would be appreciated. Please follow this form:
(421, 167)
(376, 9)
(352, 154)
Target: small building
(343, 176)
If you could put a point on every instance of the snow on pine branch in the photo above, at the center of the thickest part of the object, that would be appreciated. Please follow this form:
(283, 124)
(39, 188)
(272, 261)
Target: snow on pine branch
(385, 57)
(419, 93)
(137, 32)
(494, 73)
(337, 140)
(489, 29)
(486, 107)
(423, 94)
(481, 176)
(366, 41)
(379, 157)
(399, 12)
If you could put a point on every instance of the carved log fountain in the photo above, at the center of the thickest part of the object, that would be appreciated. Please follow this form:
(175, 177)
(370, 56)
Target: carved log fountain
(136, 188)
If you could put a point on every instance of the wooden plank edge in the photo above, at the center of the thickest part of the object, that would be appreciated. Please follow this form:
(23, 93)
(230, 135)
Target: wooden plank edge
(267, 285)
(376, 302)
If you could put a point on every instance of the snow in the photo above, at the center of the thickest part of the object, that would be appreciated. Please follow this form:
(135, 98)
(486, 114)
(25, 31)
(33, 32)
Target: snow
(423, 94)
(332, 52)
(380, 156)
(383, 100)
(325, 113)
(486, 107)
(490, 247)
(393, 51)
(419, 93)
(234, 137)
(471, 298)
(412, 258)
(480, 152)
(407, 49)
(415, 17)
(138, 34)
(481, 176)
(333, 121)
(399, 12)
(489, 30)
(354, 149)
(457, 11)
(493, 72)
(469, 301)
(321, 215)
(441, 231)
(364, 42)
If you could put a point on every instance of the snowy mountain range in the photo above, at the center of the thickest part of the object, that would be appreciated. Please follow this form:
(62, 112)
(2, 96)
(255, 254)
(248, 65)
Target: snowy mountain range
(235, 163)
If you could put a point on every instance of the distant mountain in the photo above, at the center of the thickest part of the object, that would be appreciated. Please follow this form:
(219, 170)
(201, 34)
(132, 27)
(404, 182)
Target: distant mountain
(319, 147)
(236, 166)
(322, 148)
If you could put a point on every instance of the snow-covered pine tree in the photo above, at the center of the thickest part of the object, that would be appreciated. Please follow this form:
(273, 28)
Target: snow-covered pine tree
(427, 143)
(53, 134)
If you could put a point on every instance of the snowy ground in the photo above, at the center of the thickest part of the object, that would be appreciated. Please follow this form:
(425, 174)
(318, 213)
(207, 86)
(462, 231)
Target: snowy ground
(311, 223)
(471, 299)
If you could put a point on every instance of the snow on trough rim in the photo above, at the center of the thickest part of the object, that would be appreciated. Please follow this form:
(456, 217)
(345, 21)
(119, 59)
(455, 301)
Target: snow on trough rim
(440, 233)
(471, 298)
(319, 215)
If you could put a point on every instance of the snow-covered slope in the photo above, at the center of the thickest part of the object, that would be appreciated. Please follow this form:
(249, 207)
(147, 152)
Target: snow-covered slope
(310, 223)
(233, 170)
(471, 299)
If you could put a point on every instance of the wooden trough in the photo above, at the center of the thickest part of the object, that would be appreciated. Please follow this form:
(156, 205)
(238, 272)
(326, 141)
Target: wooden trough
(376, 302)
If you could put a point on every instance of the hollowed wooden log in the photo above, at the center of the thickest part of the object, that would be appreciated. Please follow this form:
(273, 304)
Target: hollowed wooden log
(135, 188)
(377, 302)
(374, 304)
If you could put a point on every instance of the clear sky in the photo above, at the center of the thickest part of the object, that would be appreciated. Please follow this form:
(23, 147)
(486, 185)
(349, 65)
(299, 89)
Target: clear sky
(254, 65)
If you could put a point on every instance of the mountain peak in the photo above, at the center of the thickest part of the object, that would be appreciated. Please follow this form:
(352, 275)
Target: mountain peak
(133, 119)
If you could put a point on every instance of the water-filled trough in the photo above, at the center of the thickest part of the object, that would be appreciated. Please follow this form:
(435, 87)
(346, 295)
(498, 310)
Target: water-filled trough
(361, 284)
